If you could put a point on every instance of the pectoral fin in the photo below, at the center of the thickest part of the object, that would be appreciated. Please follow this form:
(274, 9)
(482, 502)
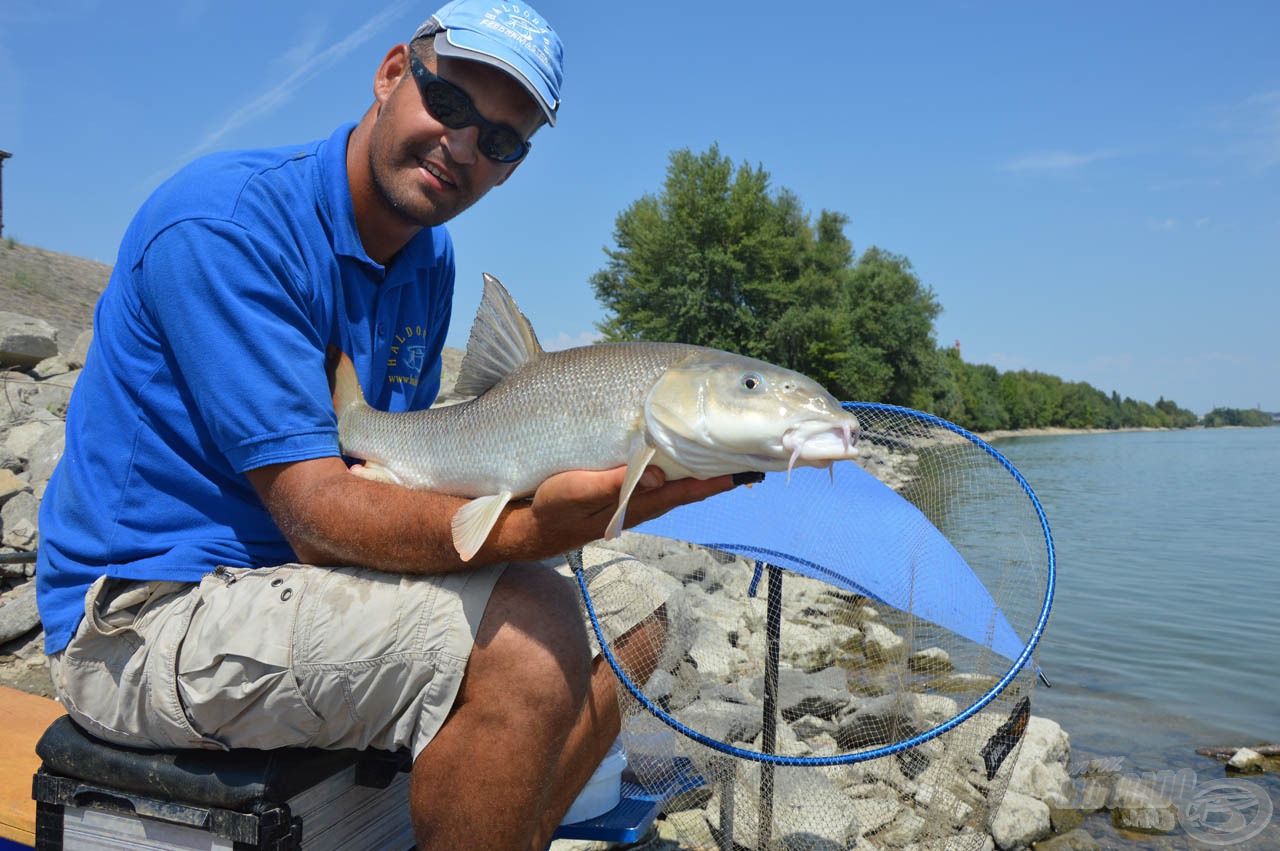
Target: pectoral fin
(376, 472)
(641, 454)
(474, 521)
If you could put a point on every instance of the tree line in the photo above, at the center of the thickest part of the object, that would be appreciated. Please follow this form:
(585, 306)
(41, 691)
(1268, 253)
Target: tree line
(1219, 417)
(719, 258)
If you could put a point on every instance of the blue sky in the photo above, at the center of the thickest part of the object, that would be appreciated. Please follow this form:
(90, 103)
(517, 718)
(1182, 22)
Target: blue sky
(1091, 189)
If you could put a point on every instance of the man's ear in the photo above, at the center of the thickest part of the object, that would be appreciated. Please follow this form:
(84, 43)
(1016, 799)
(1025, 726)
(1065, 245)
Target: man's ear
(393, 68)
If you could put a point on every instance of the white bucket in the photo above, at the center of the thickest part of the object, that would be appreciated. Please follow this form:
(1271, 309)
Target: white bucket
(603, 791)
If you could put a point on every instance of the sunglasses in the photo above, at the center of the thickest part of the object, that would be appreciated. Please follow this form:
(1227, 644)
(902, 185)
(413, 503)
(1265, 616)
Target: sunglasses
(450, 105)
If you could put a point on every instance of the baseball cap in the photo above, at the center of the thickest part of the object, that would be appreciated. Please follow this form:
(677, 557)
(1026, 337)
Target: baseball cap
(512, 37)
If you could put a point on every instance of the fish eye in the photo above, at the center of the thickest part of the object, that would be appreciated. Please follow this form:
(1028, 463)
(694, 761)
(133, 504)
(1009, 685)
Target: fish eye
(751, 381)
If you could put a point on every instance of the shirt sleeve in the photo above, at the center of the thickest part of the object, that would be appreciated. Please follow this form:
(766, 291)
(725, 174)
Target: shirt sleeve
(239, 333)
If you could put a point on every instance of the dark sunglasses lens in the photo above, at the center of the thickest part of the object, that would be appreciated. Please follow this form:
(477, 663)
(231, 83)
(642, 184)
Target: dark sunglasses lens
(502, 144)
(450, 106)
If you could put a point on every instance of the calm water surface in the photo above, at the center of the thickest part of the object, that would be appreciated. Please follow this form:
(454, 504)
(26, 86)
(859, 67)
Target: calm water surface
(1165, 633)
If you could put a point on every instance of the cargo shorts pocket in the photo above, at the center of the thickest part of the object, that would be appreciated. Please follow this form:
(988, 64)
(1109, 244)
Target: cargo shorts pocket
(235, 668)
(114, 675)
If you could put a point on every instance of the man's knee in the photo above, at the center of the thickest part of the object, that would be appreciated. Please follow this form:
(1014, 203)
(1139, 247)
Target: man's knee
(531, 647)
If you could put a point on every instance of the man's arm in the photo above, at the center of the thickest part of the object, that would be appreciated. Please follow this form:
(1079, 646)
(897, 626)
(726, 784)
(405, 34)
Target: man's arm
(333, 517)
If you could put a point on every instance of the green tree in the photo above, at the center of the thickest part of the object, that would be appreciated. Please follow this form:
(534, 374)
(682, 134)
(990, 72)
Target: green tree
(717, 258)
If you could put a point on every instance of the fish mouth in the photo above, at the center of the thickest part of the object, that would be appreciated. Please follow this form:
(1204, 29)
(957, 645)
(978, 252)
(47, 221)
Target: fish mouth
(821, 441)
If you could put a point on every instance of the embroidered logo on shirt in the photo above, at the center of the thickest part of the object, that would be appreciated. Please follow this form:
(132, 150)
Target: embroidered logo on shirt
(408, 356)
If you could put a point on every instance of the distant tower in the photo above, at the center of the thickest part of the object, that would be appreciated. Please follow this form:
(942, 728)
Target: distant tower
(4, 155)
(957, 348)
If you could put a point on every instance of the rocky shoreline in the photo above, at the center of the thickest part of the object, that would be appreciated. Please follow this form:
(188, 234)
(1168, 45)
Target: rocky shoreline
(1048, 797)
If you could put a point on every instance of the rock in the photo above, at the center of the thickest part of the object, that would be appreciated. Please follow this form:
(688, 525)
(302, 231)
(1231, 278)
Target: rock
(44, 456)
(18, 519)
(8, 458)
(48, 399)
(878, 721)
(881, 644)
(1093, 790)
(721, 720)
(715, 657)
(874, 814)
(943, 804)
(967, 839)
(10, 485)
(808, 811)
(49, 367)
(935, 709)
(934, 660)
(25, 340)
(687, 827)
(822, 693)
(1138, 806)
(810, 727)
(80, 350)
(1064, 819)
(1020, 821)
(906, 828)
(18, 613)
(23, 437)
(1075, 840)
(1246, 761)
(962, 683)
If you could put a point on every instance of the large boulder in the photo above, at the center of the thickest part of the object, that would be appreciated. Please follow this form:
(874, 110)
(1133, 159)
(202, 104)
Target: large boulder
(25, 340)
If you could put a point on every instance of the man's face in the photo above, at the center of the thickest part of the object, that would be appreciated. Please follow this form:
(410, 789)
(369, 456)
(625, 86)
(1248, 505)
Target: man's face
(428, 173)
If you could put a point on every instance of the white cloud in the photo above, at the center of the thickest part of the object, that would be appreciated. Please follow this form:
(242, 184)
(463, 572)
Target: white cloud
(1162, 224)
(1056, 162)
(570, 341)
(282, 91)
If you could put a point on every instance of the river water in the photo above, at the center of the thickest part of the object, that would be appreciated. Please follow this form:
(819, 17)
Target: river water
(1165, 632)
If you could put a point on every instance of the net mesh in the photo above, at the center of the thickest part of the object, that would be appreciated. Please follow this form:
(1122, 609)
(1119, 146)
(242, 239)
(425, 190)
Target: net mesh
(790, 702)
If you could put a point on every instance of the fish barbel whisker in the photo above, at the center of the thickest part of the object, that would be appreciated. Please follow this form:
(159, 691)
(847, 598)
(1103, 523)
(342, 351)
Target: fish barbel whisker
(795, 454)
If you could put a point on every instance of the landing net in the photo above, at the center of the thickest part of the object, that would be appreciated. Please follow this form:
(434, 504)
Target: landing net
(835, 666)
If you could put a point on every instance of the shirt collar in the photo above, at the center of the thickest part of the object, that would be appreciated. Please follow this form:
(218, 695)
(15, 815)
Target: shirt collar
(337, 190)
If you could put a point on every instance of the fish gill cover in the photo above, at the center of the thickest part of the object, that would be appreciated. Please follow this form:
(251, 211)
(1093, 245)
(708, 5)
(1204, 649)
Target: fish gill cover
(847, 664)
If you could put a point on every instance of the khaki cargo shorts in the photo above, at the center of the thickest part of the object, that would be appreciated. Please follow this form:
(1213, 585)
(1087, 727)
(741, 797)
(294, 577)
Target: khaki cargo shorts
(295, 655)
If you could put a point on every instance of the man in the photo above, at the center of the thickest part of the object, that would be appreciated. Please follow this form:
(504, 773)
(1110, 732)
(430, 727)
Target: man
(201, 445)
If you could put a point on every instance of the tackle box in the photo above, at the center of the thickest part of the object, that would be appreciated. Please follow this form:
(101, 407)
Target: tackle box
(94, 795)
(91, 794)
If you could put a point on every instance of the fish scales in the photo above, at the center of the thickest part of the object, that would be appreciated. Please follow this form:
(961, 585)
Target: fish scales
(570, 409)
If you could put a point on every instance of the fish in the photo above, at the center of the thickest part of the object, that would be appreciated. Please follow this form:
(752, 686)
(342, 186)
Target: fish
(691, 411)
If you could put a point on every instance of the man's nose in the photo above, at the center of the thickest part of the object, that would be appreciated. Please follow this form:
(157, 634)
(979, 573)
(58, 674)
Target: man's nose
(461, 143)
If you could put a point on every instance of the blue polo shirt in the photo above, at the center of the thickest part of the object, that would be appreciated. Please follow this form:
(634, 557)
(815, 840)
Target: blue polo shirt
(208, 360)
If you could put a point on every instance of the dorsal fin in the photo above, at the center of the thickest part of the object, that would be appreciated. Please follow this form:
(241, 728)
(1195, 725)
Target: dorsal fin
(502, 340)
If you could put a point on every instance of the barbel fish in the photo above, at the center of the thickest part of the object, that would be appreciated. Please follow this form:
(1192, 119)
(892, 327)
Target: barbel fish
(692, 411)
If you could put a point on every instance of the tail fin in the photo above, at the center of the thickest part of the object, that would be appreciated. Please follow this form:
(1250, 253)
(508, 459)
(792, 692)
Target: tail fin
(345, 383)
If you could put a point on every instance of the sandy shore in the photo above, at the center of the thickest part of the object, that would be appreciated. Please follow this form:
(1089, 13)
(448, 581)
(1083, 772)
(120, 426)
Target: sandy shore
(1058, 430)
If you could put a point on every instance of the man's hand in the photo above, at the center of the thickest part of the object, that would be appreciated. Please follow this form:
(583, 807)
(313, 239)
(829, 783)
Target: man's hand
(579, 504)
